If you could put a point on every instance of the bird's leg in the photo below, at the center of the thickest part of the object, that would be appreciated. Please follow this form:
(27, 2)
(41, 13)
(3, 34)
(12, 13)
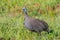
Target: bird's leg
(39, 35)
(48, 31)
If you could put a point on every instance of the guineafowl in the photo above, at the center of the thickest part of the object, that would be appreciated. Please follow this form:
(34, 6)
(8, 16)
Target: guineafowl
(33, 24)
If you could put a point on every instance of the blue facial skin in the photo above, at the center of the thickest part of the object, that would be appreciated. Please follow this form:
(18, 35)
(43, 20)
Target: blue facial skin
(25, 10)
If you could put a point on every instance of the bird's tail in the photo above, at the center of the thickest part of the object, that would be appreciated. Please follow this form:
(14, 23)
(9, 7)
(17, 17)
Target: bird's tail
(50, 31)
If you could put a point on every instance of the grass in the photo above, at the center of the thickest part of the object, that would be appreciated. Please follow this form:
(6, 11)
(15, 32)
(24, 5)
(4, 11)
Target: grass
(12, 19)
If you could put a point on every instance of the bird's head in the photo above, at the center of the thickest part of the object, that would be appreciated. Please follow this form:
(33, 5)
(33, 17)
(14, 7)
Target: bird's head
(24, 10)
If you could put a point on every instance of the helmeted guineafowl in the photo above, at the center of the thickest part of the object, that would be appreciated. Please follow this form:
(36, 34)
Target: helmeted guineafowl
(33, 24)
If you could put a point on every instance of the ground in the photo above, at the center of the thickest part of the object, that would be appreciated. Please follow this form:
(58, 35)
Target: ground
(12, 19)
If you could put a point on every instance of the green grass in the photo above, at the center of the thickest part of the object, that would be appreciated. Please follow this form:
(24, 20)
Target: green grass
(12, 19)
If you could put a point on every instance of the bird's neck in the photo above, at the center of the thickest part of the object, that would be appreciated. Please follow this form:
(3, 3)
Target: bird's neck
(26, 14)
(26, 17)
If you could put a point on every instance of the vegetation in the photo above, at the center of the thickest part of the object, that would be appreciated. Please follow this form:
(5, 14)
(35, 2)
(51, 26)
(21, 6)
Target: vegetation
(12, 18)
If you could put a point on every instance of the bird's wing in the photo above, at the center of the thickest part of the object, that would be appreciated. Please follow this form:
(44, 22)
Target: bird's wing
(44, 23)
(36, 24)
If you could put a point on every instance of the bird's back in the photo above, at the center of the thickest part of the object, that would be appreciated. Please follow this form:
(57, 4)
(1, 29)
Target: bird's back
(35, 24)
